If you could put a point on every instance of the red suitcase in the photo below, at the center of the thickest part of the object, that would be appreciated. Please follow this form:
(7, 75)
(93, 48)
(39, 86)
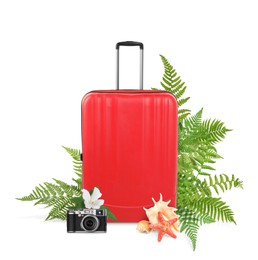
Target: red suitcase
(129, 146)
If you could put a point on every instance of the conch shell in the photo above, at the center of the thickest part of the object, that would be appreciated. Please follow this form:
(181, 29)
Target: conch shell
(143, 226)
(167, 212)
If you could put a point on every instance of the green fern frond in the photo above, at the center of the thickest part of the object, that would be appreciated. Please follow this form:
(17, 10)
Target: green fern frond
(189, 216)
(39, 192)
(75, 153)
(69, 190)
(59, 210)
(77, 164)
(204, 210)
(78, 181)
(196, 150)
(221, 182)
(182, 101)
(172, 82)
(191, 230)
(193, 122)
(77, 167)
(192, 157)
(215, 208)
(190, 223)
(30, 197)
(183, 113)
(186, 188)
(59, 196)
(213, 131)
(196, 153)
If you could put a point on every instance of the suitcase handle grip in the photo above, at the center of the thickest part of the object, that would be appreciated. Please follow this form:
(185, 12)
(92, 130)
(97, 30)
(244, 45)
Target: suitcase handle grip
(129, 43)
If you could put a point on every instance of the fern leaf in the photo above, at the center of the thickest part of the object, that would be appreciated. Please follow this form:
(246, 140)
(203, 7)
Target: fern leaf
(78, 182)
(193, 122)
(30, 197)
(75, 153)
(222, 182)
(77, 164)
(190, 223)
(208, 167)
(189, 216)
(69, 190)
(58, 196)
(54, 189)
(215, 208)
(213, 131)
(39, 192)
(172, 82)
(182, 114)
(192, 231)
(60, 208)
(167, 88)
(182, 101)
(190, 227)
(203, 188)
(180, 91)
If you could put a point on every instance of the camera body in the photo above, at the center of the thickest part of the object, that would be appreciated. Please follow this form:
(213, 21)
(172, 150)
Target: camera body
(86, 220)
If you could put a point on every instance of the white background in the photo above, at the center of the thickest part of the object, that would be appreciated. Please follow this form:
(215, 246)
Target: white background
(53, 52)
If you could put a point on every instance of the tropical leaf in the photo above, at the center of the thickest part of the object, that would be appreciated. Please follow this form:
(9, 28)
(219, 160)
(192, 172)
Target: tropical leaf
(77, 164)
(59, 210)
(183, 113)
(75, 153)
(61, 196)
(221, 182)
(172, 82)
(191, 230)
(214, 208)
(213, 131)
(192, 123)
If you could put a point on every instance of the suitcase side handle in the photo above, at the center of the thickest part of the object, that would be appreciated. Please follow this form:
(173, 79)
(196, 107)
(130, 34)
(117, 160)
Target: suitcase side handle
(129, 43)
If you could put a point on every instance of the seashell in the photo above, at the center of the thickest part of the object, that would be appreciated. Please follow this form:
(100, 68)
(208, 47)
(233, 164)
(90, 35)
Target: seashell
(143, 226)
(167, 212)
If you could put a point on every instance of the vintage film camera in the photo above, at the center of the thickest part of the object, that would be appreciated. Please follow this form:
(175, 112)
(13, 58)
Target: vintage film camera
(86, 220)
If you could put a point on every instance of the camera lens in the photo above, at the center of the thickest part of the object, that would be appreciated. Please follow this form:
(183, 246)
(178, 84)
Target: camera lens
(90, 223)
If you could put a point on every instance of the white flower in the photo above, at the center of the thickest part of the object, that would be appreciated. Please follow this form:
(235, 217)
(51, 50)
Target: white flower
(92, 201)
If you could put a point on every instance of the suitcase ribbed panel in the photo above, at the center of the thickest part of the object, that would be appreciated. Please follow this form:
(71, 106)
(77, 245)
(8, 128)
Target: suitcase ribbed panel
(129, 145)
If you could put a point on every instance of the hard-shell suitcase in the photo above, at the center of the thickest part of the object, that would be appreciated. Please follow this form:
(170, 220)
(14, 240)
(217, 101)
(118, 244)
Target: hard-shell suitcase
(129, 146)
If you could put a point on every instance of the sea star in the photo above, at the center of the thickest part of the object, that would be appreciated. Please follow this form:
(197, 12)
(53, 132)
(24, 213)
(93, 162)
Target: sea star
(164, 226)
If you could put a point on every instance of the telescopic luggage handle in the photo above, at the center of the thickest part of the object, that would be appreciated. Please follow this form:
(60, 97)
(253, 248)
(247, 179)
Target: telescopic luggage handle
(130, 43)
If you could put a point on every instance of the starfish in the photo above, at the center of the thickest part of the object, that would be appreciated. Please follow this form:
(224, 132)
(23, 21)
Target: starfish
(164, 226)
